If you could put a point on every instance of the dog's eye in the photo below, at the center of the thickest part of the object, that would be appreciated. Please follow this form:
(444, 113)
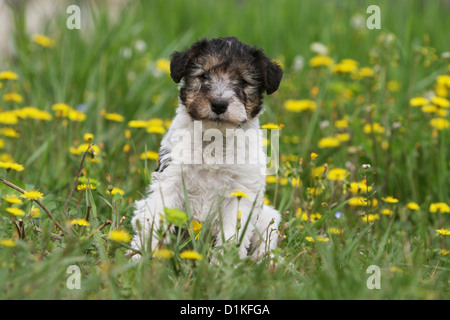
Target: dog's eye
(204, 76)
(244, 83)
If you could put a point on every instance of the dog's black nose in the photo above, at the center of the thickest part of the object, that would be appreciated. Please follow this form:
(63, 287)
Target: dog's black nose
(219, 106)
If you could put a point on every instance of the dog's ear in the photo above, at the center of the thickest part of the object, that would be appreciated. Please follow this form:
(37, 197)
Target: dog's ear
(272, 72)
(179, 60)
(273, 75)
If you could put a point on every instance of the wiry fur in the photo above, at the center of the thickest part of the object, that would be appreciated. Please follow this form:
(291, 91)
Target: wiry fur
(228, 70)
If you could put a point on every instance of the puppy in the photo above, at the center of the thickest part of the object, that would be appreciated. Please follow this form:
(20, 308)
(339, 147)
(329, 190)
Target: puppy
(222, 82)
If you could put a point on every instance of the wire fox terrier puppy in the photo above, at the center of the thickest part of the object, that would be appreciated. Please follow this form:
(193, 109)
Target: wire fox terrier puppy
(220, 97)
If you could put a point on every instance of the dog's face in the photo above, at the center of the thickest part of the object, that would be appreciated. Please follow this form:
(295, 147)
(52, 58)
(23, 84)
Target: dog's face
(224, 80)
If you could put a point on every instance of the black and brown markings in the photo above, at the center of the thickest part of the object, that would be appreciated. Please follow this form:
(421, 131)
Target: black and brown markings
(243, 68)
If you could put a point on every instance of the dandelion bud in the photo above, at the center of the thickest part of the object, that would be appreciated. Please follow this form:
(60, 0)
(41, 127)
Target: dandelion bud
(138, 225)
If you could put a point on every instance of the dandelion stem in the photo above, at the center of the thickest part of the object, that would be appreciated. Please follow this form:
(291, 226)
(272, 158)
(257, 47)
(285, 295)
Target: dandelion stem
(78, 176)
(106, 223)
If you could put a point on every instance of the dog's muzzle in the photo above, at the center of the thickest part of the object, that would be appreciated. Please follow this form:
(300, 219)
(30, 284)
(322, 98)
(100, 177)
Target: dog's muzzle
(219, 106)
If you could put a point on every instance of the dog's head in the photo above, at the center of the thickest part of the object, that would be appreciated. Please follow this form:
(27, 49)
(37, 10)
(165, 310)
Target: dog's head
(224, 80)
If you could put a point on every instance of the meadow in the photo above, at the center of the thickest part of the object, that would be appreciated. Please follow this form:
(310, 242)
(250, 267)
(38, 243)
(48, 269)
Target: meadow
(364, 171)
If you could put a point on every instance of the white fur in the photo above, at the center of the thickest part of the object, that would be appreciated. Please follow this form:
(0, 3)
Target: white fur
(206, 185)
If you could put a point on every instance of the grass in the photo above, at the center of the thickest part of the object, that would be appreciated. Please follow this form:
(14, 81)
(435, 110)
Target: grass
(113, 66)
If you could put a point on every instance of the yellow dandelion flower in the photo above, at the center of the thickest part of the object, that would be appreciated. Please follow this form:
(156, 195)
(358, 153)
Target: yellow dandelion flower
(163, 65)
(300, 105)
(441, 91)
(441, 207)
(389, 199)
(337, 174)
(32, 195)
(443, 80)
(342, 123)
(412, 206)
(271, 179)
(155, 122)
(117, 190)
(43, 41)
(84, 186)
(88, 137)
(387, 212)
(156, 129)
(61, 109)
(16, 211)
(33, 113)
(443, 232)
(315, 216)
(318, 239)
(13, 199)
(8, 117)
(442, 112)
(365, 72)
(343, 137)
(8, 243)
(12, 96)
(320, 60)
(163, 253)
(315, 191)
(11, 166)
(191, 255)
(346, 66)
(314, 155)
(359, 187)
(418, 101)
(114, 117)
(370, 217)
(120, 236)
(329, 142)
(238, 194)
(80, 222)
(151, 155)
(440, 123)
(76, 115)
(196, 226)
(301, 215)
(317, 172)
(9, 132)
(138, 124)
(440, 102)
(429, 108)
(8, 75)
(393, 86)
(35, 212)
(445, 252)
(375, 128)
(270, 126)
(358, 201)
(333, 230)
